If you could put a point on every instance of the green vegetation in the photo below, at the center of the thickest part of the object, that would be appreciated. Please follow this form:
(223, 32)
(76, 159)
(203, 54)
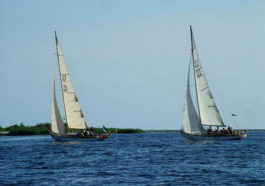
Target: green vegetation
(120, 131)
(42, 129)
(126, 131)
(17, 130)
(1, 129)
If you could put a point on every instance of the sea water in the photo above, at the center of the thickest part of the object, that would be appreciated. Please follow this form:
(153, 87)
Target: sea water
(132, 159)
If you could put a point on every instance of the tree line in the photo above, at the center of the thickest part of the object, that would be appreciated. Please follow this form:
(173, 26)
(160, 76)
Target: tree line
(42, 129)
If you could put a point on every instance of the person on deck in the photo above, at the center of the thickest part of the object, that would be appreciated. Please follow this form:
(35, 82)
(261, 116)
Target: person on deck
(229, 130)
(216, 132)
(92, 131)
(209, 131)
(224, 132)
(83, 133)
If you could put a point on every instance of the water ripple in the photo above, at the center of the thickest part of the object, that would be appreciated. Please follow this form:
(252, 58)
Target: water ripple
(135, 159)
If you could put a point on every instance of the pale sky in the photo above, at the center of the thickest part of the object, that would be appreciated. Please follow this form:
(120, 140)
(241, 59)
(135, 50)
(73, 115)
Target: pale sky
(128, 59)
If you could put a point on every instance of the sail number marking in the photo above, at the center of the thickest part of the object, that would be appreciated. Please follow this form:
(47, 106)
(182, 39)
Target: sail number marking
(65, 88)
(197, 68)
(63, 77)
(198, 73)
(196, 64)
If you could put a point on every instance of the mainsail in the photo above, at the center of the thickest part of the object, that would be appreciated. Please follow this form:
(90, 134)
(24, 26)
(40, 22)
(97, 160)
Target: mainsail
(208, 110)
(191, 122)
(57, 122)
(74, 115)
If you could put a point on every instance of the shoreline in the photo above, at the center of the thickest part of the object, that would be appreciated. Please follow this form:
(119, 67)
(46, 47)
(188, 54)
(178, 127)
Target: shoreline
(42, 129)
(131, 131)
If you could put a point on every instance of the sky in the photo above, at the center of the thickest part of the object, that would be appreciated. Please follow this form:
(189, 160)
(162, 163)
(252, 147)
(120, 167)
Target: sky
(129, 59)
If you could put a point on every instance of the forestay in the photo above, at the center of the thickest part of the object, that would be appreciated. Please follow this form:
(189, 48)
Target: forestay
(191, 122)
(74, 115)
(57, 122)
(208, 110)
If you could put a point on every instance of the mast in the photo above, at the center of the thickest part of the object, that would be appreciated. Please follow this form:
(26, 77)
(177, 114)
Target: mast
(73, 112)
(56, 41)
(192, 48)
(207, 109)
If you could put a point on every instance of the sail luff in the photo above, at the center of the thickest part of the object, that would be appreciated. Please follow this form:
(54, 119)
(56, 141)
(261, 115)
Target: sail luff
(74, 115)
(57, 122)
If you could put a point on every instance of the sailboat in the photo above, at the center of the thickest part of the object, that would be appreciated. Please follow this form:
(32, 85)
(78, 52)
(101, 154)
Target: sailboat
(204, 125)
(76, 128)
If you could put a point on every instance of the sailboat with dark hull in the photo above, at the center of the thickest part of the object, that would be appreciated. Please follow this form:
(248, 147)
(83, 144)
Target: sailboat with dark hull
(204, 125)
(76, 128)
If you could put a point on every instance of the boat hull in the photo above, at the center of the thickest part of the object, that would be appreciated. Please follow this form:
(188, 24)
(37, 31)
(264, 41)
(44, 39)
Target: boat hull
(75, 138)
(210, 138)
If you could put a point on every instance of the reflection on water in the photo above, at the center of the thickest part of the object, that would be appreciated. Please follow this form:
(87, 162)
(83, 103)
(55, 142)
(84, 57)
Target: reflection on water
(68, 142)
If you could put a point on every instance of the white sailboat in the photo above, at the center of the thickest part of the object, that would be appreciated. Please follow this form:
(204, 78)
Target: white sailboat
(193, 124)
(74, 116)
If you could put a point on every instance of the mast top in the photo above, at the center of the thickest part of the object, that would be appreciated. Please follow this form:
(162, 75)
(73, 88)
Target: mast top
(193, 46)
(55, 37)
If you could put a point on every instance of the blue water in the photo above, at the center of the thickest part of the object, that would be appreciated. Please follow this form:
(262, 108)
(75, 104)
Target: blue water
(134, 159)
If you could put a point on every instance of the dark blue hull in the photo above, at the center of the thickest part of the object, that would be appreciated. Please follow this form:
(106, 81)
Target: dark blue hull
(75, 138)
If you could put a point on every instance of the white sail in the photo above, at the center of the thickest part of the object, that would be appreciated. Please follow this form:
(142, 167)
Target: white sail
(208, 110)
(57, 122)
(74, 115)
(191, 122)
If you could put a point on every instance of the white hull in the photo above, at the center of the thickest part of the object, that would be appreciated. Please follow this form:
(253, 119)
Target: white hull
(210, 138)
